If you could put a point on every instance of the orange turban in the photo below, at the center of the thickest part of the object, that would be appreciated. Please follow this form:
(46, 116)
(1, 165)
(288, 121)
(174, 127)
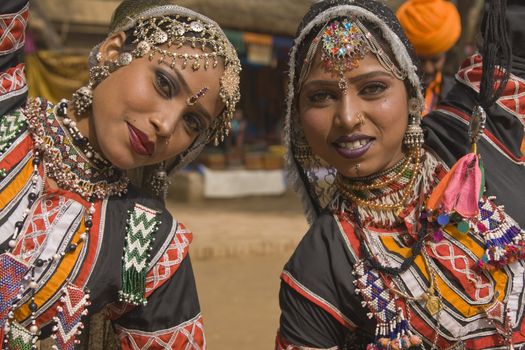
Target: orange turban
(432, 26)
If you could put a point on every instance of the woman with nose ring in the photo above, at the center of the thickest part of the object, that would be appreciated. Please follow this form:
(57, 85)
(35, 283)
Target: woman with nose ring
(405, 250)
(77, 238)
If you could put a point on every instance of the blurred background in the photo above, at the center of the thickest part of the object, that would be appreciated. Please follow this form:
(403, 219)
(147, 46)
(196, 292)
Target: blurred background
(245, 219)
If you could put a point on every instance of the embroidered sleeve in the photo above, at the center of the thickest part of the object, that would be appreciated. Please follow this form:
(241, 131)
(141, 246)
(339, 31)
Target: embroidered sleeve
(13, 24)
(304, 325)
(188, 335)
(282, 344)
(319, 306)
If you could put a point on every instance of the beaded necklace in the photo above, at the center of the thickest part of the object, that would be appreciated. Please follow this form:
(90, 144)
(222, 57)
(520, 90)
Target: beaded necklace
(399, 177)
(68, 166)
(80, 171)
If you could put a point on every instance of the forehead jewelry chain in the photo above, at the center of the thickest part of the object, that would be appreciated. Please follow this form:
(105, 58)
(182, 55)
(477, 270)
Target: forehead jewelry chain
(194, 98)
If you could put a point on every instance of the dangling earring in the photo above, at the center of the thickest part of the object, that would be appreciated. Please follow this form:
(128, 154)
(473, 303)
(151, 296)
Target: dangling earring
(160, 181)
(83, 97)
(414, 136)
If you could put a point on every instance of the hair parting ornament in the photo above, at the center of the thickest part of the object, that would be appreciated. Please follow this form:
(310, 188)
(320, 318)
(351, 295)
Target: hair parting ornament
(345, 42)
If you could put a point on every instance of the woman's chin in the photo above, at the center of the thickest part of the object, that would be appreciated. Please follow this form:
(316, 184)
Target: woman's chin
(122, 163)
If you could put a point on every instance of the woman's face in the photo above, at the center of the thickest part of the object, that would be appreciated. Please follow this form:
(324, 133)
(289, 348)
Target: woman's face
(140, 112)
(331, 124)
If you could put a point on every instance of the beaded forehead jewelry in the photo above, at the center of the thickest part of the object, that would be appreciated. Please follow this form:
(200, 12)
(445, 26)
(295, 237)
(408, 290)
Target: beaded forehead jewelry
(344, 43)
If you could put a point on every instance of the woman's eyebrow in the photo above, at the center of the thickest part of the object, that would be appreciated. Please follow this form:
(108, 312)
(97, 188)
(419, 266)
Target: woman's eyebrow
(353, 80)
(187, 89)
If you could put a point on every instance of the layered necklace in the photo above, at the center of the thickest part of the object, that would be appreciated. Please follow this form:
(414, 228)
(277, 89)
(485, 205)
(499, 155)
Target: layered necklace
(65, 156)
(68, 157)
(381, 197)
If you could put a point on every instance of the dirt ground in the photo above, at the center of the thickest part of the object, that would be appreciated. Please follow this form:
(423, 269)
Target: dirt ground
(239, 249)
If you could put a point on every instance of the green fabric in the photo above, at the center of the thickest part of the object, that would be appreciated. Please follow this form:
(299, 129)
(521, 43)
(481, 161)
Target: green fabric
(237, 40)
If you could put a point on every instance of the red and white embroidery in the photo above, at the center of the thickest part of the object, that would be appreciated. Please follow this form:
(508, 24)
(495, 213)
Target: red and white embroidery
(188, 335)
(170, 260)
(12, 30)
(513, 98)
(13, 82)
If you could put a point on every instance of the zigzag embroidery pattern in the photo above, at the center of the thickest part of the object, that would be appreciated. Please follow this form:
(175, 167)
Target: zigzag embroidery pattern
(10, 127)
(12, 271)
(19, 337)
(141, 226)
(68, 319)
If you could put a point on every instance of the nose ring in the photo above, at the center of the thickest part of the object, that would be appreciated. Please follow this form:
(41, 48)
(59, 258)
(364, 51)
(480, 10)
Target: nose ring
(360, 117)
(167, 140)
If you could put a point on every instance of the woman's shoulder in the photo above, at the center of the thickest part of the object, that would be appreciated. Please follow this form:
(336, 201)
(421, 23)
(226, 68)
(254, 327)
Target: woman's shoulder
(322, 248)
(322, 233)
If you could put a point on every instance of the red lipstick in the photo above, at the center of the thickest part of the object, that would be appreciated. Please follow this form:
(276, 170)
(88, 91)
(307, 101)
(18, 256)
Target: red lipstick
(140, 142)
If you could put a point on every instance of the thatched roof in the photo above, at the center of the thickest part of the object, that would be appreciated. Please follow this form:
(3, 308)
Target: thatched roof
(278, 17)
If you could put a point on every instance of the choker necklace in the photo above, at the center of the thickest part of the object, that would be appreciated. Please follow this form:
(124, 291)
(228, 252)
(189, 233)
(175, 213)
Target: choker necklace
(80, 141)
(389, 180)
(64, 163)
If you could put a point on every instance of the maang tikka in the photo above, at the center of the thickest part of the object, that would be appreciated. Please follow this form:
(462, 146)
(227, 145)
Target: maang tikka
(344, 43)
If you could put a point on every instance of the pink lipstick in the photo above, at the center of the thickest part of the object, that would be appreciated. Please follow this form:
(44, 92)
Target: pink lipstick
(353, 146)
(140, 142)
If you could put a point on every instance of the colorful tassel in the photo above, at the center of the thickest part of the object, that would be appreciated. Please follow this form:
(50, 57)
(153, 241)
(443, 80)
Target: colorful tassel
(460, 190)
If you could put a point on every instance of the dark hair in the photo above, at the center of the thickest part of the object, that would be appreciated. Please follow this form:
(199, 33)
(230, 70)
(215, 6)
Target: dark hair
(496, 50)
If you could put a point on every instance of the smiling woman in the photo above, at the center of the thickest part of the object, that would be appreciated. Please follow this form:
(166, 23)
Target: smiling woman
(76, 237)
(402, 251)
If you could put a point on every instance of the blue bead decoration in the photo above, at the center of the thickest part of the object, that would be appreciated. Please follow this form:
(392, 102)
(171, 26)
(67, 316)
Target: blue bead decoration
(443, 219)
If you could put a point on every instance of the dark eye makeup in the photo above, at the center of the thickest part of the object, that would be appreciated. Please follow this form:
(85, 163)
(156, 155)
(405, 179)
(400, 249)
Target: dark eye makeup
(372, 89)
(165, 84)
(194, 123)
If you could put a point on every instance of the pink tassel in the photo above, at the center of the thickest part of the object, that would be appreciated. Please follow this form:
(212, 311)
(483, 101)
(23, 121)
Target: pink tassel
(463, 189)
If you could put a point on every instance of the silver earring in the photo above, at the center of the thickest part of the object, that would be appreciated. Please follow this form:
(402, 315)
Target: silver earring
(124, 59)
(160, 182)
(82, 99)
(414, 136)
